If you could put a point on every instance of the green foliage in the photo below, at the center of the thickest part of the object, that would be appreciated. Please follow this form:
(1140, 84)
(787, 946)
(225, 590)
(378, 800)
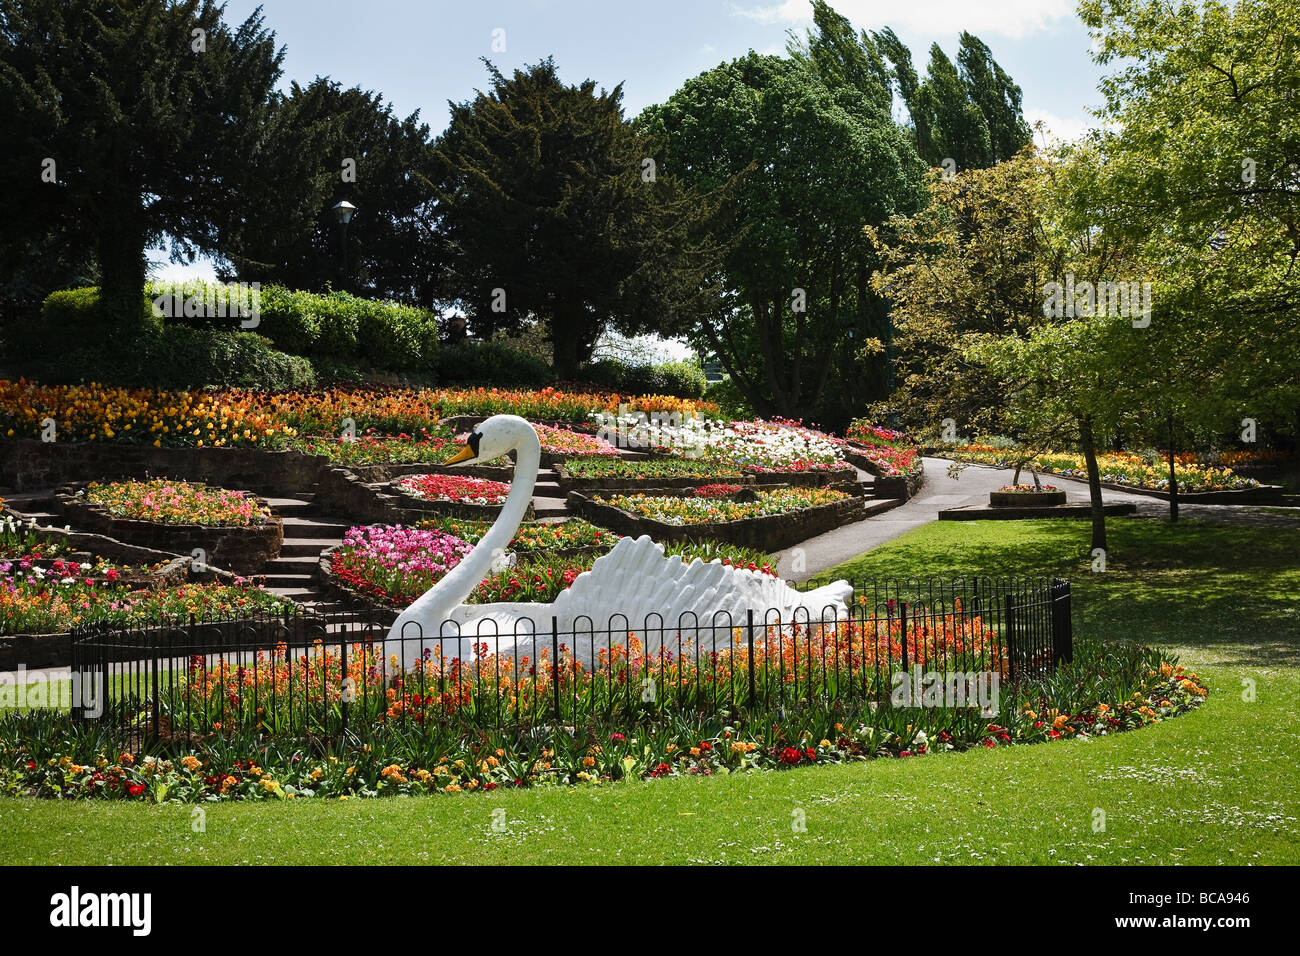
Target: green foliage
(490, 363)
(290, 235)
(684, 379)
(179, 357)
(730, 399)
(293, 320)
(151, 138)
(969, 113)
(395, 336)
(1195, 163)
(343, 327)
(67, 316)
(540, 195)
(753, 129)
(969, 265)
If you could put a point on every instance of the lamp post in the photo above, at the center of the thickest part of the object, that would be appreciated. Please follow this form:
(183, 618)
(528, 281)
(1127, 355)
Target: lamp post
(343, 212)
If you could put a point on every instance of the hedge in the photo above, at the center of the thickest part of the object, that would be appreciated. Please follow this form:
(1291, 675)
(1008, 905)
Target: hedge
(683, 379)
(335, 325)
(491, 363)
(178, 357)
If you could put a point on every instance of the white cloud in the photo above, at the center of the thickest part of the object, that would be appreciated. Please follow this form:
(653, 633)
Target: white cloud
(1008, 18)
(1058, 127)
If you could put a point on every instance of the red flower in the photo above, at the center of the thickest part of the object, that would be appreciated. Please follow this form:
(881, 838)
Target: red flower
(790, 756)
(135, 789)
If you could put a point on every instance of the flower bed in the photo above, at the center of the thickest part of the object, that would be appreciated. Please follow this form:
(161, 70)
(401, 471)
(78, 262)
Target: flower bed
(417, 497)
(263, 419)
(392, 563)
(686, 472)
(182, 518)
(454, 488)
(717, 491)
(390, 566)
(698, 509)
(774, 519)
(42, 599)
(426, 447)
(565, 444)
(145, 416)
(892, 457)
(574, 536)
(1123, 471)
(44, 754)
(635, 473)
(176, 502)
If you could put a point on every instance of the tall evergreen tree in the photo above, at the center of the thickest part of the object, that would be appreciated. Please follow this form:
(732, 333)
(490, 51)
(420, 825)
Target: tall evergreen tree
(551, 210)
(133, 120)
(326, 144)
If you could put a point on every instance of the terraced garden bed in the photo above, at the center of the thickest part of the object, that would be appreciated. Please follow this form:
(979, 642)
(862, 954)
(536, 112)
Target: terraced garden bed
(763, 532)
(243, 548)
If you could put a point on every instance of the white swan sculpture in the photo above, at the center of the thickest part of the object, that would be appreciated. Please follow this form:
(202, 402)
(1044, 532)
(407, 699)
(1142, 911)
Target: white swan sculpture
(656, 597)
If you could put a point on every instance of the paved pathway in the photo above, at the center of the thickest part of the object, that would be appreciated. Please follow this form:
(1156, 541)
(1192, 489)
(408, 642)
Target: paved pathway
(941, 492)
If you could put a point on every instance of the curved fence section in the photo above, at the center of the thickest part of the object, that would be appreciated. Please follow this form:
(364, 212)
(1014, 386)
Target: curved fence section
(335, 675)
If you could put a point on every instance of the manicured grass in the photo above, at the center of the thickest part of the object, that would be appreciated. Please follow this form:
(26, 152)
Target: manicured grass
(1214, 786)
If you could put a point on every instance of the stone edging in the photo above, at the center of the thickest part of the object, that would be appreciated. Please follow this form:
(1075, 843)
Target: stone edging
(1026, 499)
(1004, 512)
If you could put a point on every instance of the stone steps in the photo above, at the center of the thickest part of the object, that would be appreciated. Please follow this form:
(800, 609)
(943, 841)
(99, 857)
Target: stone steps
(550, 509)
(301, 529)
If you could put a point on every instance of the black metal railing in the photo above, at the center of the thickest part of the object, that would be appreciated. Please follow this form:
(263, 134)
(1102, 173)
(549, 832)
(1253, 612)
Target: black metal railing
(331, 675)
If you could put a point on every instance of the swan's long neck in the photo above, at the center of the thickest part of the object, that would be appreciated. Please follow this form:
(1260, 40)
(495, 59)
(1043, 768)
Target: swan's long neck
(436, 604)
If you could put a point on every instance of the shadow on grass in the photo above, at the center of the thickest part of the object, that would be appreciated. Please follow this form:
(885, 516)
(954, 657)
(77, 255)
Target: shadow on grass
(1225, 589)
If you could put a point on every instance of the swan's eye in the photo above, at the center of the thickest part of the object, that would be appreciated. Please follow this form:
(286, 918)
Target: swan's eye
(474, 439)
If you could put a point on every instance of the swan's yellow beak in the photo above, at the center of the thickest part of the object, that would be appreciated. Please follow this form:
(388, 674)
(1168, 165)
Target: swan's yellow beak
(465, 454)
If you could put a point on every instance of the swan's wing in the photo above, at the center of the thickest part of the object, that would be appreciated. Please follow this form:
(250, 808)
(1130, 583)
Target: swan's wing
(635, 580)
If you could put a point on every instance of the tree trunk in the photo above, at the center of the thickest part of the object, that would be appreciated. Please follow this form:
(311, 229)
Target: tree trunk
(1089, 443)
(122, 275)
(1173, 476)
(568, 351)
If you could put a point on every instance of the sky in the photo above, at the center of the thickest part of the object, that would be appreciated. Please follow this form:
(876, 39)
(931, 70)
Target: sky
(422, 53)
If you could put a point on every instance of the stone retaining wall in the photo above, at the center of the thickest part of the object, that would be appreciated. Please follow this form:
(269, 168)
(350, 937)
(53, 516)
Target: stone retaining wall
(888, 486)
(27, 464)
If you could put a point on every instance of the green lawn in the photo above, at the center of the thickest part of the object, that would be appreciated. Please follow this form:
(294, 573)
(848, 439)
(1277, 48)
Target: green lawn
(1214, 786)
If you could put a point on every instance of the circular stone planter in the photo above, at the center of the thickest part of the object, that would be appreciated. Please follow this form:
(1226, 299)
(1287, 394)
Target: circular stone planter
(242, 549)
(1026, 499)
